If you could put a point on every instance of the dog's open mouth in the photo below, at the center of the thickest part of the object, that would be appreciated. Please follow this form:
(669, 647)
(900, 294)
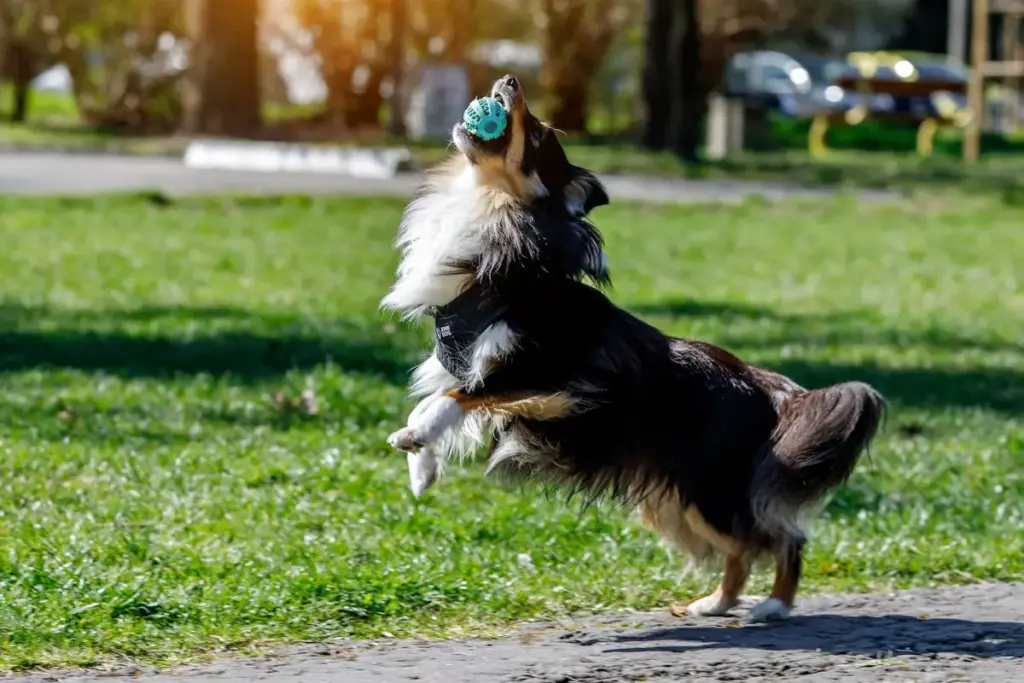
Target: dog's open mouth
(508, 92)
(484, 131)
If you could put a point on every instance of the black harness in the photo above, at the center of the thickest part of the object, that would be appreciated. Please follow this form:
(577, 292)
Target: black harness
(460, 322)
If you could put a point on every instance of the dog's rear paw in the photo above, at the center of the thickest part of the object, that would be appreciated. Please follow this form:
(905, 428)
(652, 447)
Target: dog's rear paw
(771, 609)
(405, 440)
(710, 606)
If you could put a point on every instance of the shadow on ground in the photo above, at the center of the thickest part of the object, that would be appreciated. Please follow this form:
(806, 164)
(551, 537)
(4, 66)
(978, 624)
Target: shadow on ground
(841, 634)
(169, 341)
(849, 327)
(997, 388)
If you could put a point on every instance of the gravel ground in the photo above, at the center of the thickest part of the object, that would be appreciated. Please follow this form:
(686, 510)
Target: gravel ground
(90, 173)
(968, 633)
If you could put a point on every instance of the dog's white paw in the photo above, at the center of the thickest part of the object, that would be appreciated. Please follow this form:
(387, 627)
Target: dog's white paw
(771, 609)
(709, 606)
(405, 439)
(427, 424)
(423, 470)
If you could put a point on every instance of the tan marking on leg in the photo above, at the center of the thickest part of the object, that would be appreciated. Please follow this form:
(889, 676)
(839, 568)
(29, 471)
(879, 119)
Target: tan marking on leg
(721, 542)
(788, 566)
(727, 596)
(530, 406)
(737, 571)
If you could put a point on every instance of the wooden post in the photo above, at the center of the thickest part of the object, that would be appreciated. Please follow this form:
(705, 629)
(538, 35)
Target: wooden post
(976, 84)
(724, 126)
(956, 34)
(1011, 53)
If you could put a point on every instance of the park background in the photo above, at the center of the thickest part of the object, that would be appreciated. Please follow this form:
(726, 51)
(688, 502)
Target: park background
(628, 81)
(197, 387)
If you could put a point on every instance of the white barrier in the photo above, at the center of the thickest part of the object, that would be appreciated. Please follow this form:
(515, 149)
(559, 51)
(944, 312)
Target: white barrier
(239, 155)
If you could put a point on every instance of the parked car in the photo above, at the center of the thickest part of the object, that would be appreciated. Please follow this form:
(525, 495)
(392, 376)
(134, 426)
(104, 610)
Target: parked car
(798, 86)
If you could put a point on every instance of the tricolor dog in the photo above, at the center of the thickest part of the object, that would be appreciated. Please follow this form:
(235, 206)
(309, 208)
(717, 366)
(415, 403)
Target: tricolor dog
(531, 356)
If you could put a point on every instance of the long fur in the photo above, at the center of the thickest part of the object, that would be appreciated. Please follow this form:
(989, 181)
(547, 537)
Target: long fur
(718, 455)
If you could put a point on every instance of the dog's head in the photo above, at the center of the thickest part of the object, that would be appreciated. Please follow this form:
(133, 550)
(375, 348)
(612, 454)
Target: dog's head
(527, 161)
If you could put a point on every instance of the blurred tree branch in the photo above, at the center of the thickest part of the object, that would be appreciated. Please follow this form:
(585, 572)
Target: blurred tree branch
(352, 43)
(111, 50)
(26, 49)
(575, 38)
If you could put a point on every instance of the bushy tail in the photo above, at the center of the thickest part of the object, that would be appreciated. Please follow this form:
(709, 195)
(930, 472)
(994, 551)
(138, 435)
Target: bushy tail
(814, 448)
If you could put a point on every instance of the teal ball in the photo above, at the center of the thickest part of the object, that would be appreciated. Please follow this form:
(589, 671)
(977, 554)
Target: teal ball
(485, 118)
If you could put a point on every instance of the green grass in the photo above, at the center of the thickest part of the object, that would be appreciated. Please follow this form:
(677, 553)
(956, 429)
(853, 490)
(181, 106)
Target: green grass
(158, 505)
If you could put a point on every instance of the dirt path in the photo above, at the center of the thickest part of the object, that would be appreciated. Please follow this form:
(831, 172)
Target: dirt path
(46, 173)
(952, 634)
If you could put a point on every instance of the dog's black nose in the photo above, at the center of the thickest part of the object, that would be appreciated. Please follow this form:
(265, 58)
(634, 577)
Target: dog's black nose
(510, 81)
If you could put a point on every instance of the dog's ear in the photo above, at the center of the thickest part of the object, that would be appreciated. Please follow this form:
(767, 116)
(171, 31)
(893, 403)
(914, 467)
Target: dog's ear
(584, 192)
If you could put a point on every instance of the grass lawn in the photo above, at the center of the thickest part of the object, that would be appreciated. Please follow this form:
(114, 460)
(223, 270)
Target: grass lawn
(160, 503)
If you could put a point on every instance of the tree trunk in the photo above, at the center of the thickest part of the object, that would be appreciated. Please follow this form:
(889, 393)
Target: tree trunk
(396, 120)
(336, 106)
(363, 111)
(22, 90)
(689, 105)
(223, 93)
(569, 108)
(19, 67)
(656, 110)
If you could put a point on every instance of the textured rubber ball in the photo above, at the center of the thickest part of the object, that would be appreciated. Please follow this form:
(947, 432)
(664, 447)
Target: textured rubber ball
(485, 118)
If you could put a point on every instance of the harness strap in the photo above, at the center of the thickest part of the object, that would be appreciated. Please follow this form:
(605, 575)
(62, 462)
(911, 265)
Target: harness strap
(459, 323)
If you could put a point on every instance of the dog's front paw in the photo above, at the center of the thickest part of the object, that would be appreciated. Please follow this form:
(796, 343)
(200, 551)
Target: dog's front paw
(423, 470)
(771, 609)
(406, 440)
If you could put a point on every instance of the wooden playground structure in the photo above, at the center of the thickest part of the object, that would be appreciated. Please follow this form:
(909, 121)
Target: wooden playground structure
(973, 119)
(1010, 68)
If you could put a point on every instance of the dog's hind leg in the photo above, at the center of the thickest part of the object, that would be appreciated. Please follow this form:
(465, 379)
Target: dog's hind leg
(718, 604)
(788, 567)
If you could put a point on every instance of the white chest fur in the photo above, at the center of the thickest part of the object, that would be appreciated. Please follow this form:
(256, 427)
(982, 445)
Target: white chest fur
(438, 229)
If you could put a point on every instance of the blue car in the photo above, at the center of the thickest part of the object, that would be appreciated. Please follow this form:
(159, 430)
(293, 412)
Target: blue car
(797, 86)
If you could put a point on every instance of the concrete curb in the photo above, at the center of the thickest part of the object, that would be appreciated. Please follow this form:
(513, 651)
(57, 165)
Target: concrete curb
(277, 157)
(114, 150)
